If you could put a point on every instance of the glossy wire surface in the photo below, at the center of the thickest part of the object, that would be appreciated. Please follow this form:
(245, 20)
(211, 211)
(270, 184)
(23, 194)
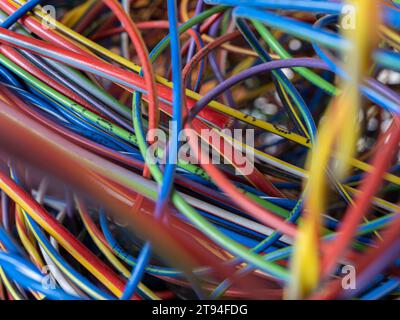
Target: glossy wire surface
(127, 130)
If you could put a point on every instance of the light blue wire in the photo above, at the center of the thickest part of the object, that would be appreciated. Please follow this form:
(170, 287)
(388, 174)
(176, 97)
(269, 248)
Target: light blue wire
(155, 270)
(292, 91)
(373, 95)
(299, 5)
(170, 168)
(53, 252)
(19, 13)
(390, 16)
(388, 59)
(297, 28)
(24, 273)
(332, 65)
(9, 243)
(271, 240)
(383, 290)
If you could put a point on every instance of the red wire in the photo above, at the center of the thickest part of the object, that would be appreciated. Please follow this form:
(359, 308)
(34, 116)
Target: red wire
(362, 203)
(258, 212)
(255, 210)
(114, 188)
(54, 224)
(48, 34)
(164, 93)
(143, 55)
(88, 17)
(25, 64)
(391, 234)
(101, 150)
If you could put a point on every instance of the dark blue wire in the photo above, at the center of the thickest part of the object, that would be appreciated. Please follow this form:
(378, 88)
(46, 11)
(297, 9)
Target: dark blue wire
(170, 169)
(19, 13)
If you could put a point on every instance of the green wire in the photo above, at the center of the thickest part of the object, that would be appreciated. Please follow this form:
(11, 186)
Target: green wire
(309, 131)
(225, 22)
(306, 73)
(206, 227)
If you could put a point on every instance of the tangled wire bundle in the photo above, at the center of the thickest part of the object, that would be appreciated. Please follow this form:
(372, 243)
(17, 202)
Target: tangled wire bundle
(208, 149)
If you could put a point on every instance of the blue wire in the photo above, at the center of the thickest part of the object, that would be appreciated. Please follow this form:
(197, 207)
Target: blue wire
(19, 13)
(367, 227)
(294, 27)
(170, 169)
(270, 241)
(299, 5)
(382, 290)
(390, 16)
(9, 243)
(37, 101)
(87, 128)
(388, 59)
(15, 266)
(48, 246)
(9, 77)
(376, 97)
(311, 127)
(53, 252)
(26, 275)
(280, 254)
(169, 272)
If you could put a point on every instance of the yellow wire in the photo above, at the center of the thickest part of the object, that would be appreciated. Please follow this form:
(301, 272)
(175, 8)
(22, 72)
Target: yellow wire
(62, 268)
(73, 16)
(26, 242)
(109, 254)
(305, 264)
(395, 37)
(338, 130)
(43, 223)
(294, 111)
(9, 286)
(29, 247)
